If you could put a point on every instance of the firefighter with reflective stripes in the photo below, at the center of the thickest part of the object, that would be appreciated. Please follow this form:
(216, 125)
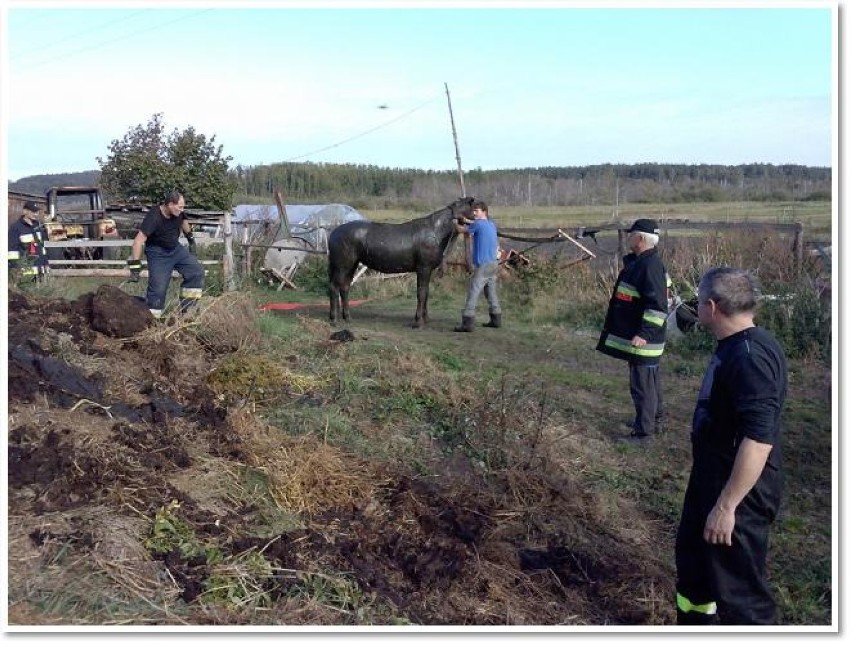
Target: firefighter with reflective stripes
(735, 484)
(159, 233)
(635, 326)
(26, 254)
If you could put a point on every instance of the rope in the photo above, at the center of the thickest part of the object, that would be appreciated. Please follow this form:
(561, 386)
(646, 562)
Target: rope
(553, 238)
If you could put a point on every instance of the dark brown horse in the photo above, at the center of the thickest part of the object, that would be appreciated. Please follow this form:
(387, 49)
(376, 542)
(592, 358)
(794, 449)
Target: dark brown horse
(417, 245)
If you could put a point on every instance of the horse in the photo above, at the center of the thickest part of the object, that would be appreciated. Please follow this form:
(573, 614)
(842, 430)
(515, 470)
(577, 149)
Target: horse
(418, 245)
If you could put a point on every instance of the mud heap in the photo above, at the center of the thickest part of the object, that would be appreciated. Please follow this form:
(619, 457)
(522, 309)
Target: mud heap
(139, 494)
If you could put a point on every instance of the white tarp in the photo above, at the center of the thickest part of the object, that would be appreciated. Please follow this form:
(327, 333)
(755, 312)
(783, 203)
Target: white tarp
(309, 228)
(309, 222)
(326, 216)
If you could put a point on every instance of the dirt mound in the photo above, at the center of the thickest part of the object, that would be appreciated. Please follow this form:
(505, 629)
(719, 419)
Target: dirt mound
(130, 476)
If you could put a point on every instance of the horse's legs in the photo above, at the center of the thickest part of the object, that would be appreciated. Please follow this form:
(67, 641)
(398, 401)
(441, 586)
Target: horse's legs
(333, 302)
(420, 316)
(336, 283)
(345, 285)
(344, 301)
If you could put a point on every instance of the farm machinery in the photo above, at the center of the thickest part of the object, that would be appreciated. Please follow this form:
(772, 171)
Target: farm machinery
(72, 213)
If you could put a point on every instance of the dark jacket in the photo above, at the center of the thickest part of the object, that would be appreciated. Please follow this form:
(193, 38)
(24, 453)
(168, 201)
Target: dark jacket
(638, 306)
(26, 247)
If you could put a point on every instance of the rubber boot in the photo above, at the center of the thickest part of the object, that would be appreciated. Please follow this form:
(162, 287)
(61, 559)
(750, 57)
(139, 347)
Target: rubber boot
(495, 320)
(466, 326)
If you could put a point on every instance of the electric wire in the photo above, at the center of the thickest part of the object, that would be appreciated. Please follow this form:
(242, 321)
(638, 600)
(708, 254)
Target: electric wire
(80, 34)
(366, 132)
(104, 43)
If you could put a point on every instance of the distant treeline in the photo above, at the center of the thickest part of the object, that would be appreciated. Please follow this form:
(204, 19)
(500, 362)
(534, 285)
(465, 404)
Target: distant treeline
(364, 186)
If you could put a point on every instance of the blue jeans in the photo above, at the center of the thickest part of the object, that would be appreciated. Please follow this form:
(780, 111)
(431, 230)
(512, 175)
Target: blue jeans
(161, 263)
(484, 277)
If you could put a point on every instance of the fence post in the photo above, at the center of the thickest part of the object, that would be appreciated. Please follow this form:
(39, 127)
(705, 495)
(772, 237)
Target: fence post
(799, 245)
(228, 260)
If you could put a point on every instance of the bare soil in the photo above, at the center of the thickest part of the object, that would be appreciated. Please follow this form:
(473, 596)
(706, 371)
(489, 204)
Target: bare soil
(108, 423)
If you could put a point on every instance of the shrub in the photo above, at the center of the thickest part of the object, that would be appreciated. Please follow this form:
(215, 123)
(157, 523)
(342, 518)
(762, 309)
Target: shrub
(798, 320)
(312, 275)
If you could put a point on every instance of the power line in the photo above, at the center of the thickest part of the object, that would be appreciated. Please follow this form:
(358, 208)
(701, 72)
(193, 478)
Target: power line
(88, 33)
(104, 43)
(366, 132)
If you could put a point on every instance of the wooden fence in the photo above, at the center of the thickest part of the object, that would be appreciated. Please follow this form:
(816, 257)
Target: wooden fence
(797, 230)
(109, 268)
(118, 268)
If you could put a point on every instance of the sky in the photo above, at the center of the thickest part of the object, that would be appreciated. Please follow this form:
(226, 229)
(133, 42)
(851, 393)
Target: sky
(530, 84)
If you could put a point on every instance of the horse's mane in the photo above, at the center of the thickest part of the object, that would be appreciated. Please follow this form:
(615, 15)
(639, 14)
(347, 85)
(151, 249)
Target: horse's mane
(436, 215)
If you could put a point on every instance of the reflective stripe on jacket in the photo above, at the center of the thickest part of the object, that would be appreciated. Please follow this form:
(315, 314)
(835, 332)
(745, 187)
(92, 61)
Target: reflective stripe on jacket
(638, 307)
(26, 242)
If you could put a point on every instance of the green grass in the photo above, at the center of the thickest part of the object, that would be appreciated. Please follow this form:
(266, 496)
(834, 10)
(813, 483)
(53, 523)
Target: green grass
(491, 395)
(816, 215)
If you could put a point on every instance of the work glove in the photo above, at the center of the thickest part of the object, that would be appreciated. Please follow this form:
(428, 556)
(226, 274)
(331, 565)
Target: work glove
(190, 239)
(135, 267)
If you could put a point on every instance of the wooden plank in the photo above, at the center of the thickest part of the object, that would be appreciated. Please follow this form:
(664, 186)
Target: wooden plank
(107, 263)
(84, 242)
(565, 235)
(100, 273)
(283, 220)
(275, 246)
(228, 260)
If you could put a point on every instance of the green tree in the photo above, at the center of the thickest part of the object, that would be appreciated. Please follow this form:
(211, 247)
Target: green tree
(147, 163)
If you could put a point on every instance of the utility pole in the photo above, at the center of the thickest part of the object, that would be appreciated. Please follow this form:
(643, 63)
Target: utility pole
(455, 142)
(616, 198)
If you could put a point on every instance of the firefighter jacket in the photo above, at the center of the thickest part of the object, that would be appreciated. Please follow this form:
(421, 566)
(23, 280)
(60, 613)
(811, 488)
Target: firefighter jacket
(638, 306)
(26, 248)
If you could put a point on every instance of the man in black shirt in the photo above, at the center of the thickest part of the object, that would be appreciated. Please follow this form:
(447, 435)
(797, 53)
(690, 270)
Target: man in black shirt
(734, 488)
(160, 234)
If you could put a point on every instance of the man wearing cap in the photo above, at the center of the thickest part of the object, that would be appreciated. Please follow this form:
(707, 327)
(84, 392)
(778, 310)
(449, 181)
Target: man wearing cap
(26, 252)
(635, 325)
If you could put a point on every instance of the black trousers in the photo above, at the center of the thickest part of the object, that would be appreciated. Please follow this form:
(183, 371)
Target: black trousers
(720, 583)
(646, 389)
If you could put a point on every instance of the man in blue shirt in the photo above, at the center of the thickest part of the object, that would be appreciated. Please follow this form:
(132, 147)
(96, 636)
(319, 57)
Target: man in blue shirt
(485, 267)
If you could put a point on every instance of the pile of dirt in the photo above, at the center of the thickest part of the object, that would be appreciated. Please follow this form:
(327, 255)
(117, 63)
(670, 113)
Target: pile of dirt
(127, 471)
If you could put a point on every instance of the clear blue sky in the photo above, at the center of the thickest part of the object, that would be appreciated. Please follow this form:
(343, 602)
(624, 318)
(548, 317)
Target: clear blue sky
(558, 86)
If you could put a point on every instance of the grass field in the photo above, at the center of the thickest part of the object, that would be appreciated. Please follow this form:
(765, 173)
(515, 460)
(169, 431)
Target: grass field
(815, 216)
(531, 415)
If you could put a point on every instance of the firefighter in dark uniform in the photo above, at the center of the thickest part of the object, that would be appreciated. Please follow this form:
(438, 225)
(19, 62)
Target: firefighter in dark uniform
(159, 236)
(26, 253)
(734, 488)
(635, 326)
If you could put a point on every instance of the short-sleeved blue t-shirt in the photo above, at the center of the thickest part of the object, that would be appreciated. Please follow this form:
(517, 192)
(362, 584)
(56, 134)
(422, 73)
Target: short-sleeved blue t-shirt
(484, 234)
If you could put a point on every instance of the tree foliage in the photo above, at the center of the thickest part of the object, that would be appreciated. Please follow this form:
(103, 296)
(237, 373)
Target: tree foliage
(379, 187)
(147, 163)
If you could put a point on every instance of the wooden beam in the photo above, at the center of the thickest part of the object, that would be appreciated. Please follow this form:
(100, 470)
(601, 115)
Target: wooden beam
(565, 235)
(107, 263)
(283, 220)
(82, 242)
(228, 259)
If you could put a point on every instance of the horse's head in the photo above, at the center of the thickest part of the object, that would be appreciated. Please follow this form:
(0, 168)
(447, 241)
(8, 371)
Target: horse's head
(460, 208)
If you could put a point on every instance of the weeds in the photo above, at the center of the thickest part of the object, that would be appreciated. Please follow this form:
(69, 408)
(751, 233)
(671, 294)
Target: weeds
(388, 444)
